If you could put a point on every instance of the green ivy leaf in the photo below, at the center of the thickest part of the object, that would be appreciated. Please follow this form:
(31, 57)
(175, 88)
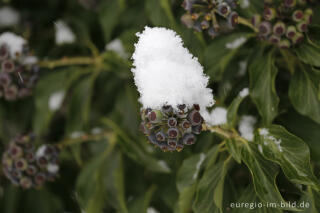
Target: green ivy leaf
(290, 152)
(249, 196)
(101, 181)
(186, 181)
(135, 152)
(109, 11)
(217, 55)
(262, 86)
(159, 13)
(142, 203)
(210, 185)
(55, 82)
(309, 54)
(234, 149)
(233, 110)
(77, 116)
(263, 173)
(304, 95)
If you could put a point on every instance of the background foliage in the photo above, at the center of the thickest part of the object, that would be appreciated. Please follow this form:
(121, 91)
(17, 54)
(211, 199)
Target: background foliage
(116, 170)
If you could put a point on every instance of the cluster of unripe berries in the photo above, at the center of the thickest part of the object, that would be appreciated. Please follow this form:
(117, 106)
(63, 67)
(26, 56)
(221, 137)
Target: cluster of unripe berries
(214, 16)
(284, 23)
(170, 129)
(17, 75)
(29, 168)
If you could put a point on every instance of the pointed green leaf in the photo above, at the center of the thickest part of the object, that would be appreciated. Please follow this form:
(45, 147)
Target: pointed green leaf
(55, 83)
(304, 95)
(109, 13)
(309, 54)
(263, 173)
(262, 86)
(220, 52)
(209, 185)
(233, 109)
(186, 181)
(290, 152)
(234, 149)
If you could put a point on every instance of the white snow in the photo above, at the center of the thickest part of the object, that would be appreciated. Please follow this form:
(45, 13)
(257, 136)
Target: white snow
(244, 92)
(29, 60)
(236, 43)
(151, 210)
(76, 134)
(265, 133)
(218, 116)
(164, 165)
(165, 72)
(64, 34)
(56, 100)
(8, 17)
(96, 130)
(52, 168)
(246, 127)
(117, 46)
(244, 4)
(198, 166)
(14, 42)
(41, 150)
(242, 68)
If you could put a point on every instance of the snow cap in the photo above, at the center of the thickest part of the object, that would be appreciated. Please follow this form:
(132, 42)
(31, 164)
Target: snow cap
(165, 72)
(14, 42)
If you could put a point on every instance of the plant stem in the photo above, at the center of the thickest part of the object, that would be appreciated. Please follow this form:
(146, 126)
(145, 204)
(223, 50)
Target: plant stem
(247, 23)
(227, 134)
(69, 62)
(83, 138)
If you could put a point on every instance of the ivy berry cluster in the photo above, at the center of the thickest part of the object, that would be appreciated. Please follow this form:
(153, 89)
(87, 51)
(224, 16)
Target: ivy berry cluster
(284, 23)
(29, 168)
(18, 74)
(170, 129)
(212, 16)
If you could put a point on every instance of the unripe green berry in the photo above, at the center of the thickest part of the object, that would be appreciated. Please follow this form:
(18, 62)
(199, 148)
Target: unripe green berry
(173, 132)
(289, 3)
(284, 44)
(189, 139)
(302, 26)
(298, 38)
(279, 28)
(223, 9)
(274, 39)
(269, 13)
(297, 15)
(160, 136)
(291, 31)
(264, 28)
(256, 20)
(7, 66)
(155, 116)
(233, 19)
(194, 117)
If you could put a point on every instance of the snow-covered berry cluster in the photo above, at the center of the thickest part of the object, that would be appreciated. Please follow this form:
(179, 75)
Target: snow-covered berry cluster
(29, 168)
(173, 89)
(284, 23)
(18, 70)
(170, 129)
(214, 16)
